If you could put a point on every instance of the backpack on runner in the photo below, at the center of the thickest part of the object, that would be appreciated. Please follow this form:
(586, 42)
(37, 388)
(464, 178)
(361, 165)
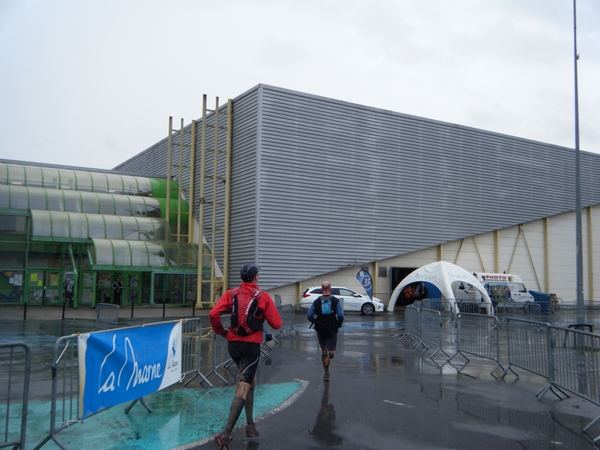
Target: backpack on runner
(246, 318)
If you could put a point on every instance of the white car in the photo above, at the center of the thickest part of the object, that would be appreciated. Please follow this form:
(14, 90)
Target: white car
(352, 300)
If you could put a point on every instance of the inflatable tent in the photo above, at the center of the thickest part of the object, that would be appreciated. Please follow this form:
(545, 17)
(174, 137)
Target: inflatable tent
(442, 275)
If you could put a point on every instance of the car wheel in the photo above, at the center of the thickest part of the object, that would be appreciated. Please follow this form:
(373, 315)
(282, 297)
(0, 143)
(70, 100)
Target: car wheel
(367, 309)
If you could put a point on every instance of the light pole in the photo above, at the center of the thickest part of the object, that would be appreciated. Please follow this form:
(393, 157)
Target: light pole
(579, 239)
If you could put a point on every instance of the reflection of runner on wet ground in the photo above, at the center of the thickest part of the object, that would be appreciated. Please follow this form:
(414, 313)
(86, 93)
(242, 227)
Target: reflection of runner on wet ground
(324, 428)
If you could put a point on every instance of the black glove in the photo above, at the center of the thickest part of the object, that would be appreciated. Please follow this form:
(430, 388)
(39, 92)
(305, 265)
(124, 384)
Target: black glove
(224, 333)
(268, 337)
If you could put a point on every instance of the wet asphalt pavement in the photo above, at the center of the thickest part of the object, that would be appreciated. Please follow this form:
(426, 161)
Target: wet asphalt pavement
(383, 394)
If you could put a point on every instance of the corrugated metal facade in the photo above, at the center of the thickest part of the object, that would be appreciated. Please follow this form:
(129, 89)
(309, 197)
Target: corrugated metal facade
(321, 184)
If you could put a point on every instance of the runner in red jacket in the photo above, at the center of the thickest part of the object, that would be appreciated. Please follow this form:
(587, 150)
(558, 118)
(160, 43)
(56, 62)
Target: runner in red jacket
(244, 347)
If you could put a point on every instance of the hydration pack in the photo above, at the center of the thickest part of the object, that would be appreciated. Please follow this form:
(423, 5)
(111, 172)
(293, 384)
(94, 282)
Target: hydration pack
(246, 318)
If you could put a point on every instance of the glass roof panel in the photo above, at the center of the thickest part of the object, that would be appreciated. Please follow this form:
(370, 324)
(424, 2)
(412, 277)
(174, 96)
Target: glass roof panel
(4, 195)
(162, 231)
(55, 200)
(96, 227)
(137, 206)
(60, 224)
(130, 229)
(19, 198)
(33, 176)
(42, 223)
(103, 252)
(3, 173)
(84, 180)
(114, 227)
(72, 201)
(16, 174)
(152, 206)
(100, 182)
(122, 253)
(146, 229)
(189, 256)
(107, 204)
(79, 225)
(139, 254)
(67, 179)
(90, 202)
(115, 183)
(144, 186)
(172, 254)
(122, 205)
(50, 178)
(37, 197)
(156, 254)
(130, 185)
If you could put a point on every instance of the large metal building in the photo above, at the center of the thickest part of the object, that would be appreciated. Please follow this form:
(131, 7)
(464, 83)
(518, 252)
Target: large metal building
(319, 186)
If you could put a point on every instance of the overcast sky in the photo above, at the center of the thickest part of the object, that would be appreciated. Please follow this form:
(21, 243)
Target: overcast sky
(93, 82)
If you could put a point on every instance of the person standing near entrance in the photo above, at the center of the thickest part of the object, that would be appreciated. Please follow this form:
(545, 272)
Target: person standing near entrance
(249, 308)
(117, 287)
(327, 315)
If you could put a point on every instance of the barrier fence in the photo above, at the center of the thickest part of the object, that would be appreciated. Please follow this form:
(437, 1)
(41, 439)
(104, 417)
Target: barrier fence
(446, 310)
(107, 316)
(411, 321)
(478, 335)
(528, 311)
(15, 368)
(567, 357)
(65, 406)
(431, 331)
(527, 343)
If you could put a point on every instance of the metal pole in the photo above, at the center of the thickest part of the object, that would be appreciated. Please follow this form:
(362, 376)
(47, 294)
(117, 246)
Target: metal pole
(579, 239)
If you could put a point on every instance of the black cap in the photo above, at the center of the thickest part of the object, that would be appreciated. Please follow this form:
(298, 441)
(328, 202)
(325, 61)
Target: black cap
(248, 272)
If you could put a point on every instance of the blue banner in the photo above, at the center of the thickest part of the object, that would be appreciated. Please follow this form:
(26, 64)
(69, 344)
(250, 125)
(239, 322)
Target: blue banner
(364, 278)
(122, 365)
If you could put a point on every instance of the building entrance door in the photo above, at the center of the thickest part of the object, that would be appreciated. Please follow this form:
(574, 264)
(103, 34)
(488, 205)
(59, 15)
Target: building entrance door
(131, 288)
(86, 288)
(104, 293)
(44, 287)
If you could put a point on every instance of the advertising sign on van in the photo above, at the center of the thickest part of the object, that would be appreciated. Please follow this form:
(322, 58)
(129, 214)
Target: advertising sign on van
(495, 277)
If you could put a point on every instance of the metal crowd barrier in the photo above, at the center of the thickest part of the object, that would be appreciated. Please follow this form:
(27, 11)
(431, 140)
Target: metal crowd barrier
(478, 335)
(288, 317)
(527, 311)
(107, 316)
(575, 365)
(64, 408)
(527, 347)
(65, 397)
(220, 354)
(411, 322)
(431, 330)
(565, 315)
(438, 304)
(15, 367)
(191, 356)
(471, 307)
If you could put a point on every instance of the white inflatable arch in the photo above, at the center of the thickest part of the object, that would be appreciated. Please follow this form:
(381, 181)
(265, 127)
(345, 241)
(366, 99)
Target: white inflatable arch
(442, 274)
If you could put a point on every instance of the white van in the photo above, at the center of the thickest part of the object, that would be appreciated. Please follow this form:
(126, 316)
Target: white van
(504, 287)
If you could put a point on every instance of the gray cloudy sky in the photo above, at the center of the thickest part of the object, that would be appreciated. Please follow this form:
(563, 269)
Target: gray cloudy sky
(92, 83)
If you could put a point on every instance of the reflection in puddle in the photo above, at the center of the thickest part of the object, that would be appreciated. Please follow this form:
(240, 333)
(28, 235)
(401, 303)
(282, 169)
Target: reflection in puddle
(324, 429)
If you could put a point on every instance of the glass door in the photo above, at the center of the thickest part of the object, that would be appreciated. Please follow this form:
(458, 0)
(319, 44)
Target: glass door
(131, 288)
(86, 288)
(52, 288)
(35, 287)
(104, 293)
